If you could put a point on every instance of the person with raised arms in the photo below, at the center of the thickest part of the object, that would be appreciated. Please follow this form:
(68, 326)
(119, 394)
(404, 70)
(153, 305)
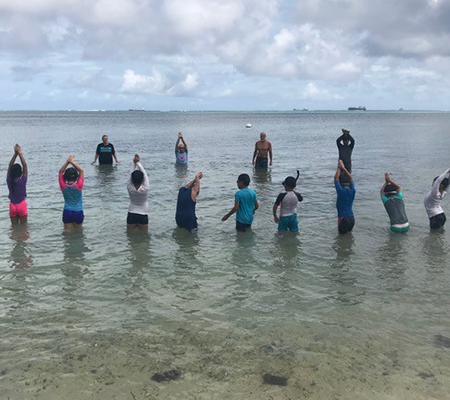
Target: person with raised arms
(392, 198)
(345, 197)
(287, 201)
(105, 152)
(433, 200)
(138, 187)
(262, 156)
(245, 204)
(187, 198)
(16, 179)
(345, 144)
(71, 181)
(181, 150)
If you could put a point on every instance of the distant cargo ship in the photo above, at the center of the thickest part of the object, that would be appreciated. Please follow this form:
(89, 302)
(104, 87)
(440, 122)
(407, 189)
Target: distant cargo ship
(136, 109)
(360, 108)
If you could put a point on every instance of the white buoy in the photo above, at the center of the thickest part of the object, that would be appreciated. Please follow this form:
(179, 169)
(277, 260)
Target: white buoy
(248, 125)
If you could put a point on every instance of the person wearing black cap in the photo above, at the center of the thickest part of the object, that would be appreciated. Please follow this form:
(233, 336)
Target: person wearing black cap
(345, 197)
(287, 201)
(392, 198)
(345, 144)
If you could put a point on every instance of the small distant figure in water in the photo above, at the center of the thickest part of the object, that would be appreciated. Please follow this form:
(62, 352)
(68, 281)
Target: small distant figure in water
(288, 202)
(105, 152)
(181, 150)
(433, 200)
(245, 204)
(262, 156)
(16, 179)
(71, 181)
(392, 198)
(138, 186)
(187, 198)
(345, 196)
(345, 144)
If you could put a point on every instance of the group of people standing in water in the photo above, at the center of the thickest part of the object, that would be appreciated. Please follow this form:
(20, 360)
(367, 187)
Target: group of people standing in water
(71, 181)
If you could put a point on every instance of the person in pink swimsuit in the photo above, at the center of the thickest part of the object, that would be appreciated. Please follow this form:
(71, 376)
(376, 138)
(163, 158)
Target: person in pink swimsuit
(16, 178)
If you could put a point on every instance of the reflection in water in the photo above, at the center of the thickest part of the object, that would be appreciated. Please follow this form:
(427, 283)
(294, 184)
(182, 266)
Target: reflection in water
(392, 260)
(105, 179)
(436, 251)
(287, 246)
(139, 245)
(341, 274)
(261, 176)
(244, 253)
(188, 244)
(20, 257)
(181, 170)
(75, 266)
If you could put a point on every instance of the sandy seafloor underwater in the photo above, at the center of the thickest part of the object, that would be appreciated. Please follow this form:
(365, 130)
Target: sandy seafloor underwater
(95, 315)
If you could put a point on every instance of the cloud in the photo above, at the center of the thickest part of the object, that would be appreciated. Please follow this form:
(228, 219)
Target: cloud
(314, 92)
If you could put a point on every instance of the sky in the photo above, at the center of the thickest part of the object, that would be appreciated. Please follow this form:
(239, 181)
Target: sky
(224, 54)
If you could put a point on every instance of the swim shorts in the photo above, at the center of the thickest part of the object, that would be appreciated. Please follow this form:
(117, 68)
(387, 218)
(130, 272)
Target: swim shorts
(240, 227)
(137, 219)
(288, 223)
(346, 224)
(76, 217)
(18, 210)
(438, 221)
(261, 163)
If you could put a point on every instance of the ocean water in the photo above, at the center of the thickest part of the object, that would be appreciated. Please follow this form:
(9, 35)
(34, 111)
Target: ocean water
(94, 315)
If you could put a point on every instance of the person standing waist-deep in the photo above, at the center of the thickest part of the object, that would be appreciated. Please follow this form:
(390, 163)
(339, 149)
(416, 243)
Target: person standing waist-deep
(262, 156)
(105, 152)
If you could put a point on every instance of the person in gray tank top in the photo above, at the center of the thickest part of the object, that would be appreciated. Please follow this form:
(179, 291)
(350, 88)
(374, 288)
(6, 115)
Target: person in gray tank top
(392, 198)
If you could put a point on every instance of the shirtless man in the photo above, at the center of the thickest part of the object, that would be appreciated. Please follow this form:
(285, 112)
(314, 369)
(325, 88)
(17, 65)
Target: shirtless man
(262, 148)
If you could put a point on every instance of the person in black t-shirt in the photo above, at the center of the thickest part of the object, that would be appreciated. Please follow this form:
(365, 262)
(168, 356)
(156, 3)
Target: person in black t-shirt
(345, 144)
(105, 152)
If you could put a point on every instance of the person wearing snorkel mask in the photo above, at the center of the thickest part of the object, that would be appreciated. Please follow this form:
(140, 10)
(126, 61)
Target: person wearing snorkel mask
(71, 181)
(287, 201)
(433, 200)
(392, 198)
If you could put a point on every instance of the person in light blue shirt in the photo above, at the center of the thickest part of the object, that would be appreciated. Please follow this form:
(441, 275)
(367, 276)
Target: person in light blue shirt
(181, 150)
(245, 204)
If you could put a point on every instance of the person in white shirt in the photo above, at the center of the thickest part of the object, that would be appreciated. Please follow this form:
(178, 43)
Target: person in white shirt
(433, 200)
(137, 186)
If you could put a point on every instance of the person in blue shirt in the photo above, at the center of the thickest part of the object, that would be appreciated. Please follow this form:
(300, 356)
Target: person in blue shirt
(245, 204)
(181, 150)
(345, 189)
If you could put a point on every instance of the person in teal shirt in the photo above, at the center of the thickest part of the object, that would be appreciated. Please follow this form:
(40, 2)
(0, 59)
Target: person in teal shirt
(245, 204)
(392, 198)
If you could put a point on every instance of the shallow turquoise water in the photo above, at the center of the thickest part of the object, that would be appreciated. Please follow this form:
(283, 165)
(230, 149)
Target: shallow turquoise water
(363, 309)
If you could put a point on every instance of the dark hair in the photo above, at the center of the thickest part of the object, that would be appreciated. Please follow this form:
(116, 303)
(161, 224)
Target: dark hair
(345, 180)
(137, 177)
(390, 189)
(291, 182)
(244, 178)
(104, 136)
(444, 182)
(70, 175)
(15, 173)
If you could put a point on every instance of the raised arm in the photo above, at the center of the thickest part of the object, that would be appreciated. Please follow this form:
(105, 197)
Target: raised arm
(351, 141)
(64, 166)
(196, 189)
(438, 181)
(11, 163)
(344, 170)
(71, 160)
(184, 142)
(389, 180)
(24, 165)
(337, 174)
(145, 183)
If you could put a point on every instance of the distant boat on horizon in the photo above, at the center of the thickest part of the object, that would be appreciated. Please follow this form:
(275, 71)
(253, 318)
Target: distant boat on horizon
(296, 109)
(359, 108)
(136, 109)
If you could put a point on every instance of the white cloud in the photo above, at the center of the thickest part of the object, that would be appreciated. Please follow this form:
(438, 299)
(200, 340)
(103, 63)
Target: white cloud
(314, 92)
